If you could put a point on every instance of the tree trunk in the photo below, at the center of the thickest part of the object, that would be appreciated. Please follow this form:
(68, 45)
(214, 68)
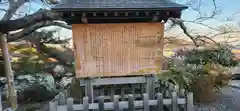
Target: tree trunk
(63, 55)
(9, 73)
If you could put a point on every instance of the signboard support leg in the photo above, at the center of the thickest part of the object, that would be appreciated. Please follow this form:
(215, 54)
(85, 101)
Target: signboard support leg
(89, 89)
(150, 86)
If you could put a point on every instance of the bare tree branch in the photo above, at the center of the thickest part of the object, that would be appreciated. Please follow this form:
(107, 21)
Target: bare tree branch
(223, 33)
(4, 2)
(202, 16)
(30, 29)
(198, 37)
(216, 11)
(39, 16)
(13, 7)
(50, 1)
(205, 37)
(200, 23)
(202, 38)
(184, 28)
(3, 10)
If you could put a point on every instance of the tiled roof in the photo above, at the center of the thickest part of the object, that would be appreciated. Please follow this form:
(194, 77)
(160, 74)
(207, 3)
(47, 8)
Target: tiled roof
(119, 4)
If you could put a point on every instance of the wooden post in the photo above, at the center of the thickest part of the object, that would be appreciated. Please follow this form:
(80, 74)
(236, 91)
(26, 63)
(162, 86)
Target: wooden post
(89, 89)
(182, 95)
(101, 103)
(112, 92)
(130, 103)
(167, 96)
(159, 102)
(70, 104)
(189, 101)
(174, 102)
(149, 87)
(62, 99)
(85, 104)
(1, 107)
(52, 106)
(122, 93)
(146, 102)
(116, 103)
(133, 88)
(9, 73)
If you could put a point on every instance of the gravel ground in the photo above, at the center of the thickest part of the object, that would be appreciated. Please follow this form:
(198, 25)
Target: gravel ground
(228, 100)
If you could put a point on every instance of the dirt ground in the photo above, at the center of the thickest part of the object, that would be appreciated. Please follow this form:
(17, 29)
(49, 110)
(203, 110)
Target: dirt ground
(228, 100)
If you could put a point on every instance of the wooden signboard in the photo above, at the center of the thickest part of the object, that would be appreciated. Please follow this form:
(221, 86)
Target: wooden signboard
(124, 49)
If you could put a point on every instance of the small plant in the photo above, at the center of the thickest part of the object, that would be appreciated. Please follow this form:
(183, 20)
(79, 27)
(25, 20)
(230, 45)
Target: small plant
(198, 65)
(178, 76)
(182, 76)
(220, 55)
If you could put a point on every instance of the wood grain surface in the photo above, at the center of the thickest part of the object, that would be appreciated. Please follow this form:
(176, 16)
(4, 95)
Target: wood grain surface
(117, 49)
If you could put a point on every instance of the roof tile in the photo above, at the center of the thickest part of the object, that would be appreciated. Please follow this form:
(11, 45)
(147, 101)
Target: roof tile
(118, 4)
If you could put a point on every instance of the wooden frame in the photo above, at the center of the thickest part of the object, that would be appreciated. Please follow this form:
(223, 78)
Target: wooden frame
(126, 49)
(124, 104)
(147, 81)
(173, 101)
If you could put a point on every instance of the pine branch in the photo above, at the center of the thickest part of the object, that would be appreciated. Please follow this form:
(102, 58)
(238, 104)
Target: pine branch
(39, 16)
(26, 31)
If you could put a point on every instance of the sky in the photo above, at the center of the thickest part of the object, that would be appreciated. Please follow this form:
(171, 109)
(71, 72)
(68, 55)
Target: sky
(231, 9)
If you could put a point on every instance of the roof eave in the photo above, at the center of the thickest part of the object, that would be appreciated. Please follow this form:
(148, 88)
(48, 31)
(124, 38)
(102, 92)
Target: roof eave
(117, 9)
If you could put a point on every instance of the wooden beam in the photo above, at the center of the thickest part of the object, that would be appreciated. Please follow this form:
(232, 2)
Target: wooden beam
(116, 13)
(167, 13)
(117, 80)
(84, 19)
(147, 13)
(84, 14)
(105, 14)
(94, 14)
(155, 18)
(72, 14)
(126, 13)
(137, 13)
